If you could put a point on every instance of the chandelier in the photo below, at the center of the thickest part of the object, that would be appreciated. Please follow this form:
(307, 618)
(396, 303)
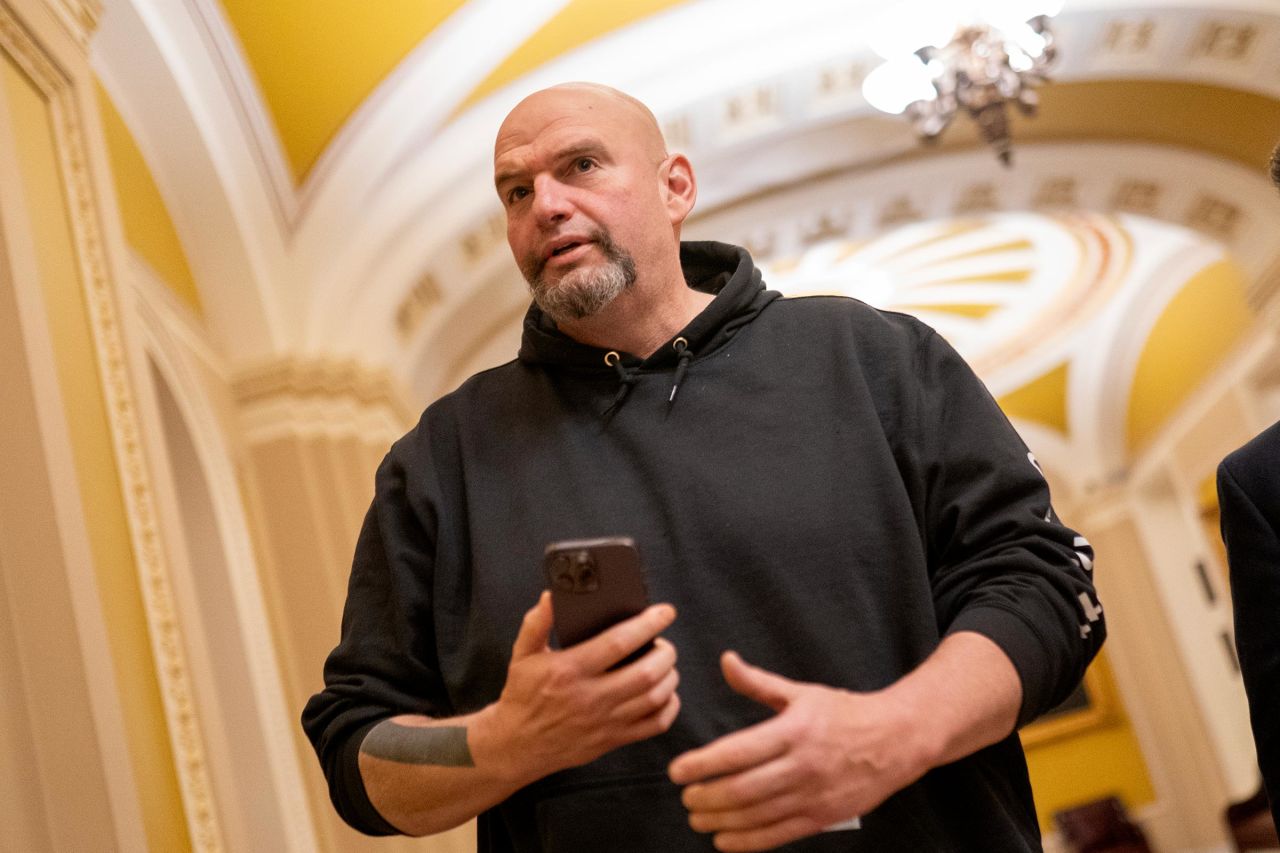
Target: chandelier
(944, 56)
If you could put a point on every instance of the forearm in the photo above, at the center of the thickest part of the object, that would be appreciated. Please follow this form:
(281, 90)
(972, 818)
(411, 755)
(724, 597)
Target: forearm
(965, 696)
(558, 709)
(427, 775)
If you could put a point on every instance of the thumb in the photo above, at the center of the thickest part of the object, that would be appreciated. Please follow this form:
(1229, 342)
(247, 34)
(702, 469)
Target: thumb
(535, 629)
(758, 684)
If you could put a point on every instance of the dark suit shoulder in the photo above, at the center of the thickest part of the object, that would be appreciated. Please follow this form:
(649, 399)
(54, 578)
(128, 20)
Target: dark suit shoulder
(1255, 467)
(1262, 449)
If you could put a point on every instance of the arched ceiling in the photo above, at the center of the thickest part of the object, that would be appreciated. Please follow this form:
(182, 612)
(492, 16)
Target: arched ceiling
(316, 63)
(326, 166)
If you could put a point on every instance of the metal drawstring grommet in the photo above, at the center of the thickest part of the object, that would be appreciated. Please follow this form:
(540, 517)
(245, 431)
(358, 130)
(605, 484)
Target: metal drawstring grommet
(611, 354)
(681, 346)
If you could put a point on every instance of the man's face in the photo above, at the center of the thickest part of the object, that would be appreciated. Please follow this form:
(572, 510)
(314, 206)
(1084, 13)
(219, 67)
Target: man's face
(579, 177)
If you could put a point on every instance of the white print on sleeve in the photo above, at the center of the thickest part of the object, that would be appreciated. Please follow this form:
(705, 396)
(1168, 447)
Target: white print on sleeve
(1084, 556)
(1092, 612)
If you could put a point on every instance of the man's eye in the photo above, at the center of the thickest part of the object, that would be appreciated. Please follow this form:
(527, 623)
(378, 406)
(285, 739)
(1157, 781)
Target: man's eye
(584, 164)
(517, 194)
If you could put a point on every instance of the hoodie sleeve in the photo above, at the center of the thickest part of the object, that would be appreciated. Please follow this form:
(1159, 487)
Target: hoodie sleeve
(385, 661)
(1001, 562)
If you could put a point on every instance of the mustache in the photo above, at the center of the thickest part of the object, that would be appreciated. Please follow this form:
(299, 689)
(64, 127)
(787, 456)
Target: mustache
(534, 263)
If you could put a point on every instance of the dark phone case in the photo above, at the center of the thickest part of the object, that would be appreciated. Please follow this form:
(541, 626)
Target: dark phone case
(594, 583)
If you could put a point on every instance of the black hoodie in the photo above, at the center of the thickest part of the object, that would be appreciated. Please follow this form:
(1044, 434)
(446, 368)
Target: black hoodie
(824, 487)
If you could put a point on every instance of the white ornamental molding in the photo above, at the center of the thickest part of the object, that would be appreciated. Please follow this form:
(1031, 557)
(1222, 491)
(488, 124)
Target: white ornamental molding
(79, 17)
(170, 660)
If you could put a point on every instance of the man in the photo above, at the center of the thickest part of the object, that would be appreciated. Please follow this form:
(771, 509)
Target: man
(1249, 500)
(819, 488)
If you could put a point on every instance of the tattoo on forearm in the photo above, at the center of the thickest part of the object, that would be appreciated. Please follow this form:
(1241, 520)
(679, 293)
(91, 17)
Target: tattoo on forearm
(443, 746)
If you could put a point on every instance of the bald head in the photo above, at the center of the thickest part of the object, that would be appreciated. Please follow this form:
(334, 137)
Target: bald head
(589, 103)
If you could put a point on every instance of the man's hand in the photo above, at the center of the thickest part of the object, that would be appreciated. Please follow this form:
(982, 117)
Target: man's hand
(565, 708)
(558, 709)
(830, 755)
(827, 756)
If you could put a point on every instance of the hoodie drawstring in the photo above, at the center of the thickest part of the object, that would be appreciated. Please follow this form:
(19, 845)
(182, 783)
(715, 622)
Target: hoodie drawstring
(681, 346)
(626, 379)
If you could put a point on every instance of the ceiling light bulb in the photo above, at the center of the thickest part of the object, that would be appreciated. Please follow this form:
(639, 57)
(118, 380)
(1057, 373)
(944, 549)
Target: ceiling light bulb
(892, 86)
(1031, 42)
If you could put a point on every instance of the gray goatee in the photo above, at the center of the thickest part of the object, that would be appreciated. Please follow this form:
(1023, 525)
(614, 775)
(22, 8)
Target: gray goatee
(582, 291)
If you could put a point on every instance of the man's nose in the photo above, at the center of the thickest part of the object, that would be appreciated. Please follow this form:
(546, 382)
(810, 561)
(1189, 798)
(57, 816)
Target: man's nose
(550, 201)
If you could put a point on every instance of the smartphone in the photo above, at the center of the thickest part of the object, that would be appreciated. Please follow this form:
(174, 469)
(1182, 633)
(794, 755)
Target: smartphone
(594, 583)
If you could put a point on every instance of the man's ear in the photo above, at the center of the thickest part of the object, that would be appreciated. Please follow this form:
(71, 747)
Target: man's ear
(679, 188)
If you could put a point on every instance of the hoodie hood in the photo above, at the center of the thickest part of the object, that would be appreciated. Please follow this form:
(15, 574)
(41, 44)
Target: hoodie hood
(717, 268)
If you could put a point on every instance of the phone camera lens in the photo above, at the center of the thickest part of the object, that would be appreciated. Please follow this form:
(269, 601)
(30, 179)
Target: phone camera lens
(562, 573)
(585, 574)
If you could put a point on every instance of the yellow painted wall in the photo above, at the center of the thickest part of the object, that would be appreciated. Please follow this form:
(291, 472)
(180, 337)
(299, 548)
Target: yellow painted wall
(1042, 400)
(316, 62)
(99, 480)
(147, 224)
(1198, 327)
(577, 23)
